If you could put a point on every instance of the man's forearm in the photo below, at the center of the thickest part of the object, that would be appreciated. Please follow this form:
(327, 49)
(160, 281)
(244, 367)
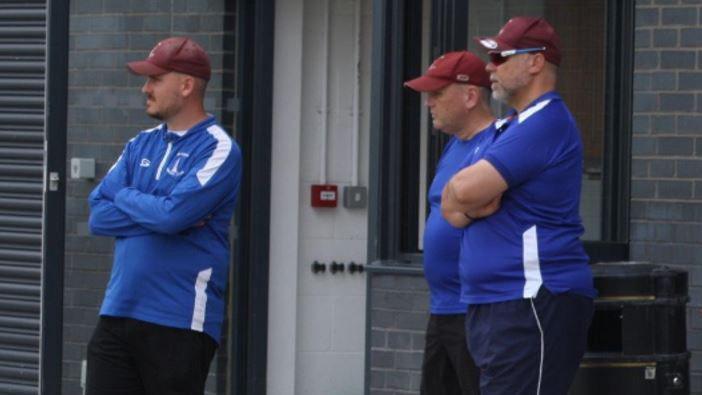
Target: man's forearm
(107, 220)
(458, 216)
(473, 188)
(452, 201)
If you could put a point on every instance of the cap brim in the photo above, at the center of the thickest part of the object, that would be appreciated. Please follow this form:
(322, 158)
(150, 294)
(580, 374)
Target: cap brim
(427, 84)
(491, 44)
(143, 67)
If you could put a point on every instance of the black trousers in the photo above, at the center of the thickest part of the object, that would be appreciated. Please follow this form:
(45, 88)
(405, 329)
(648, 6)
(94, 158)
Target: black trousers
(448, 368)
(132, 357)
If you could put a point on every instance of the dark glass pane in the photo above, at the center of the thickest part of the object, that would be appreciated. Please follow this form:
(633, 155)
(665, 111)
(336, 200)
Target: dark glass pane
(581, 82)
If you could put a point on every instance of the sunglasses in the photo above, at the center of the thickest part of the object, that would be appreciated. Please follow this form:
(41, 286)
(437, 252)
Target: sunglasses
(497, 58)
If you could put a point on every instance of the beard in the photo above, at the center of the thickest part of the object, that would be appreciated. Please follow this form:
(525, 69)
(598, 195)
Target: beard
(499, 93)
(155, 115)
(151, 110)
(161, 112)
(503, 91)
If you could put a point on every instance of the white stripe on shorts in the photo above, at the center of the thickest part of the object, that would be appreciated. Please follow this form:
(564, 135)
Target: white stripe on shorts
(541, 358)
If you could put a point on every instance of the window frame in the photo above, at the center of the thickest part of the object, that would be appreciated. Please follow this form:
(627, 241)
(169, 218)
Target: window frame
(395, 113)
(248, 332)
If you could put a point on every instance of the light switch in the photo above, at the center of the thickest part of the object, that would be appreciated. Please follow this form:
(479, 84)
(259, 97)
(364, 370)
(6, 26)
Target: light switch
(355, 197)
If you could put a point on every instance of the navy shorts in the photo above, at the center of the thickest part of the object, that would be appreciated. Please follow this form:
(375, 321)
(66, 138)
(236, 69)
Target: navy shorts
(529, 346)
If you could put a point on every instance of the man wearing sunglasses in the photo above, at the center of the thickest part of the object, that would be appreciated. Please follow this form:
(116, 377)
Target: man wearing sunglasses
(524, 272)
(457, 95)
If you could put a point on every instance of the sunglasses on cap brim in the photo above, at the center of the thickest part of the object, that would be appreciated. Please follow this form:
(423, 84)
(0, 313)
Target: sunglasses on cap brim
(497, 58)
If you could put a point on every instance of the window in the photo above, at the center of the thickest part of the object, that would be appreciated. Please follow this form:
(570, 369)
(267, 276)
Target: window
(581, 26)
(594, 79)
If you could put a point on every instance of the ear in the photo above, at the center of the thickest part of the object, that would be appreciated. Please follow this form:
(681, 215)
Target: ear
(187, 86)
(538, 62)
(470, 97)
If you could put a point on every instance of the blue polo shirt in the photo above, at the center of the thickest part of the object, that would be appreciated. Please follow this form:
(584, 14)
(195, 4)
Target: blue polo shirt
(534, 238)
(442, 242)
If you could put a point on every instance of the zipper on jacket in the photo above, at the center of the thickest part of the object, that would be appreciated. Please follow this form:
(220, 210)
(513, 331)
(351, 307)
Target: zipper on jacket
(163, 161)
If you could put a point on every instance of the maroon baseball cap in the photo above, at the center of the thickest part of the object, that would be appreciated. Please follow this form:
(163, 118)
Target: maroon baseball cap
(525, 32)
(460, 67)
(180, 54)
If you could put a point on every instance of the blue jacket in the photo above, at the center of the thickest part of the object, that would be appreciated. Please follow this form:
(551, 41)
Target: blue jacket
(168, 201)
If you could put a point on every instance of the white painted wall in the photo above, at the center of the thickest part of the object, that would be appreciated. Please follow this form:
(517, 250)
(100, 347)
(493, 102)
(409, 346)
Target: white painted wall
(316, 321)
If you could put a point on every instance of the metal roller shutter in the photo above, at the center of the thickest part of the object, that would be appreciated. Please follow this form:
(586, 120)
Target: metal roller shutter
(22, 80)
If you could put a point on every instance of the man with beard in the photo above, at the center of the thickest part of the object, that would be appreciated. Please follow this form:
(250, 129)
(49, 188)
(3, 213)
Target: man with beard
(524, 271)
(456, 85)
(168, 201)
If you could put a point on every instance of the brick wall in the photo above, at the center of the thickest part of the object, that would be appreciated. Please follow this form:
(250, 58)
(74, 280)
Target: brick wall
(105, 110)
(398, 319)
(666, 204)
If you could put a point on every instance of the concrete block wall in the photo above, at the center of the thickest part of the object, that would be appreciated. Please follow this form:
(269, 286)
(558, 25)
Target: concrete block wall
(398, 320)
(105, 110)
(666, 189)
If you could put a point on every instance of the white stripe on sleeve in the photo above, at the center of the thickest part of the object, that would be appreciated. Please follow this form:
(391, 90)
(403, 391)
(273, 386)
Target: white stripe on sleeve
(533, 110)
(219, 155)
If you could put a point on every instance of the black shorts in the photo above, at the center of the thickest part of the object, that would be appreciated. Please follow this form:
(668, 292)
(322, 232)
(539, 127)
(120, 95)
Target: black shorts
(132, 357)
(447, 368)
(529, 346)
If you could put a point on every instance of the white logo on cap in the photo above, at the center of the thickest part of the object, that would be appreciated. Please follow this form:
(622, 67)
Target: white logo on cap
(151, 54)
(488, 43)
(433, 64)
(503, 27)
(462, 77)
